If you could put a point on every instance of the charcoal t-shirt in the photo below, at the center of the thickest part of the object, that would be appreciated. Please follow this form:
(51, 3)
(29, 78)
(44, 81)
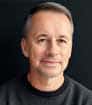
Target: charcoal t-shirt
(21, 92)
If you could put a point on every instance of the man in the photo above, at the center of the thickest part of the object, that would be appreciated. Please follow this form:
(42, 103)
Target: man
(47, 43)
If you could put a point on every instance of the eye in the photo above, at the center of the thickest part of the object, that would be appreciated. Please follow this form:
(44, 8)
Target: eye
(41, 40)
(61, 41)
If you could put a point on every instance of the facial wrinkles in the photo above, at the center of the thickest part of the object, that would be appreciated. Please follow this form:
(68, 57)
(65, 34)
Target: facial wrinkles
(51, 23)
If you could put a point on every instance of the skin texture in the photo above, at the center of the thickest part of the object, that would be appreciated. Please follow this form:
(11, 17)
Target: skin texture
(48, 47)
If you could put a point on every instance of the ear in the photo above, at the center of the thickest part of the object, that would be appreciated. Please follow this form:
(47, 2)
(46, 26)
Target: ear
(24, 47)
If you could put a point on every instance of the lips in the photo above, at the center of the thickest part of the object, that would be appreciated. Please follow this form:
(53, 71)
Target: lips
(47, 61)
(51, 61)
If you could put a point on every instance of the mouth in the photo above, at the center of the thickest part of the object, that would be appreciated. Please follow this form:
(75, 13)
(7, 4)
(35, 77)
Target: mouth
(50, 63)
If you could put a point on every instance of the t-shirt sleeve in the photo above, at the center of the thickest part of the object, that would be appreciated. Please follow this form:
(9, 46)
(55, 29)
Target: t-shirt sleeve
(3, 95)
(88, 98)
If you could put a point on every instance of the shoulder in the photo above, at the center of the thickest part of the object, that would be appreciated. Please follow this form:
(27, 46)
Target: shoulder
(8, 91)
(80, 92)
(4, 92)
(11, 85)
(7, 86)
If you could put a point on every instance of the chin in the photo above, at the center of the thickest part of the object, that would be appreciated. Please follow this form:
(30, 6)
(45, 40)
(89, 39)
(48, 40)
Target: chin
(51, 73)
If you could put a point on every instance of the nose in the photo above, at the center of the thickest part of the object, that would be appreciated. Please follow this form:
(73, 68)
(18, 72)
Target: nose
(53, 49)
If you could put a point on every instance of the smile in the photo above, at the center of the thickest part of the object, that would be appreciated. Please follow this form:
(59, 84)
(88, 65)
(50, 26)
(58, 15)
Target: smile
(49, 61)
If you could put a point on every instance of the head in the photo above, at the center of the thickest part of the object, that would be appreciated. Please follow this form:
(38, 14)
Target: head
(47, 39)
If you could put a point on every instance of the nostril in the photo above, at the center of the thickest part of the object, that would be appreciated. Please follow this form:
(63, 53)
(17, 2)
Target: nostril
(52, 52)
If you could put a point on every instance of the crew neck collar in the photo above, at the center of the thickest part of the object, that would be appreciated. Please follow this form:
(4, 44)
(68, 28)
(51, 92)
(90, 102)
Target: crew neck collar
(38, 92)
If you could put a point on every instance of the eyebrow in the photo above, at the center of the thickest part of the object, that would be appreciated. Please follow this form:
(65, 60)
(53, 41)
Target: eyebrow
(41, 35)
(45, 35)
(63, 36)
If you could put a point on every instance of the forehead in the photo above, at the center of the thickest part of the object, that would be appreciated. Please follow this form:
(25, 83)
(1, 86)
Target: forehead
(50, 22)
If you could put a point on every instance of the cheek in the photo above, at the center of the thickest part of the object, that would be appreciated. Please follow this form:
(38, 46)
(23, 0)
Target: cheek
(36, 54)
(66, 53)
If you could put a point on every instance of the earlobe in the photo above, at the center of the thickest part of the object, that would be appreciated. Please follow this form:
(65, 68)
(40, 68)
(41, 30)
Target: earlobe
(24, 47)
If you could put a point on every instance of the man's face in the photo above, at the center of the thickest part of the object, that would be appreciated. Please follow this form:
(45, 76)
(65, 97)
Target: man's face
(48, 44)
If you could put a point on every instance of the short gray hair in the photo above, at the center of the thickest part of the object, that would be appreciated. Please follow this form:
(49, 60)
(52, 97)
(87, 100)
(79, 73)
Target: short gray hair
(47, 6)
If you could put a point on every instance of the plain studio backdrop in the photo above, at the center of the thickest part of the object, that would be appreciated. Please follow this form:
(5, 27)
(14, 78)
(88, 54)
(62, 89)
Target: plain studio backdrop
(12, 62)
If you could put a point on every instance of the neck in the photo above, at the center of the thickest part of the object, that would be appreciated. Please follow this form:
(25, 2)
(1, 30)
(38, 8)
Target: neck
(45, 84)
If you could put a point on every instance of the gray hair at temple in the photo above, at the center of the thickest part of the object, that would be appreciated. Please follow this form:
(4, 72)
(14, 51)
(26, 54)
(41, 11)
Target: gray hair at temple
(47, 6)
